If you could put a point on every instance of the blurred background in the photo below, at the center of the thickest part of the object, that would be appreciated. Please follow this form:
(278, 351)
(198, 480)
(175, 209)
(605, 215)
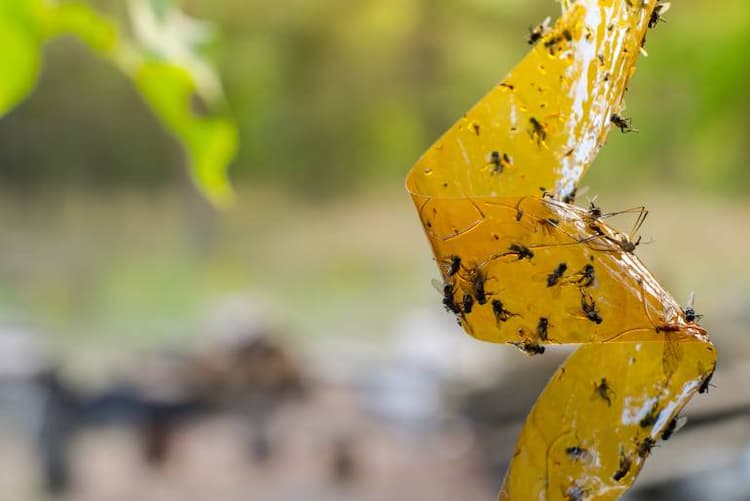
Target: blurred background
(293, 347)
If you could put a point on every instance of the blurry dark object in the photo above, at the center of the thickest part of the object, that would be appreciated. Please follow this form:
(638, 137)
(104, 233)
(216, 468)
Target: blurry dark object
(251, 375)
(344, 467)
(61, 410)
(250, 378)
(67, 411)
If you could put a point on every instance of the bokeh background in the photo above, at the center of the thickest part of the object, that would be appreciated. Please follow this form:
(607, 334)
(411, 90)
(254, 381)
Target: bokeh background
(293, 347)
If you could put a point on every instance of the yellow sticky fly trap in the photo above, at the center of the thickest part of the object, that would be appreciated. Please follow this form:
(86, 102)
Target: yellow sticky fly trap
(521, 265)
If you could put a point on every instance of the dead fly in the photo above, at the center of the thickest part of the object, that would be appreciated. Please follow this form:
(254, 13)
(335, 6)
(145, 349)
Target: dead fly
(537, 132)
(519, 210)
(651, 417)
(538, 32)
(583, 278)
(495, 161)
(626, 244)
(707, 381)
(577, 453)
(477, 279)
(499, 162)
(467, 303)
(594, 212)
(450, 265)
(519, 251)
(554, 41)
(448, 292)
(529, 347)
(542, 329)
(625, 464)
(689, 311)
(588, 307)
(604, 391)
(501, 314)
(554, 277)
(625, 241)
(672, 347)
(673, 427)
(624, 124)
(656, 15)
(570, 197)
(644, 448)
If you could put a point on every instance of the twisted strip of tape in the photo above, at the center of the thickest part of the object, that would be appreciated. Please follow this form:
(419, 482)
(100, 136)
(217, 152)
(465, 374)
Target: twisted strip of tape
(522, 265)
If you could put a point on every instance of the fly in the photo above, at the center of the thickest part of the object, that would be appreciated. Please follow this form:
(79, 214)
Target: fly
(624, 124)
(501, 314)
(625, 464)
(690, 315)
(537, 33)
(530, 348)
(554, 277)
(520, 251)
(499, 162)
(651, 417)
(542, 329)
(537, 132)
(672, 347)
(588, 306)
(451, 265)
(553, 42)
(583, 278)
(656, 15)
(673, 427)
(448, 292)
(467, 303)
(625, 243)
(644, 449)
(604, 391)
(477, 279)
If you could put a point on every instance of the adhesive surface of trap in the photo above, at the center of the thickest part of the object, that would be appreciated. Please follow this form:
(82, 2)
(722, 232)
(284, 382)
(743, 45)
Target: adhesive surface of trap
(521, 265)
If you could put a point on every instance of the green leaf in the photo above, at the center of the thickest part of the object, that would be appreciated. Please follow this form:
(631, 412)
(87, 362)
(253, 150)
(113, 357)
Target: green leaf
(19, 63)
(163, 61)
(20, 54)
(211, 142)
(76, 19)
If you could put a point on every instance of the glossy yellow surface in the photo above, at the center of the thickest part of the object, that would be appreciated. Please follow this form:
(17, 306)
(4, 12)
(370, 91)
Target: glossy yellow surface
(522, 266)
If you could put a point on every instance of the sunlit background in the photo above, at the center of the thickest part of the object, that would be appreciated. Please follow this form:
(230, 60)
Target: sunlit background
(292, 347)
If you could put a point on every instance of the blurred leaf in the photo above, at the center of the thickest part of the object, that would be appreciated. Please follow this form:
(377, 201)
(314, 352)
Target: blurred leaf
(163, 60)
(162, 32)
(76, 19)
(19, 62)
(211, 142)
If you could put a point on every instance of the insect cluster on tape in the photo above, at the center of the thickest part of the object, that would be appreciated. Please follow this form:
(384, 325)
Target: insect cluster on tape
(538, 32)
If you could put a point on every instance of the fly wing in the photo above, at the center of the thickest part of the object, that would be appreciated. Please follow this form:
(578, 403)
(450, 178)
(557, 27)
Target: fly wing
(672, 354)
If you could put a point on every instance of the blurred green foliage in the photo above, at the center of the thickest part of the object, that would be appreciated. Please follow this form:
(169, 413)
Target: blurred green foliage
(335, 94)
(329, 96)
(160, 57)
